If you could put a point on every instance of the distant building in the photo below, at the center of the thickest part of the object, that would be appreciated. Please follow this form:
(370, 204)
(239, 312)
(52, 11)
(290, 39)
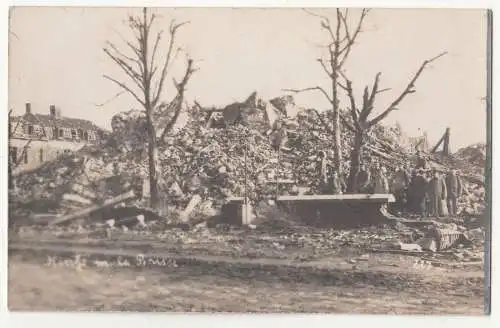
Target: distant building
(420, 143)
(47, 136)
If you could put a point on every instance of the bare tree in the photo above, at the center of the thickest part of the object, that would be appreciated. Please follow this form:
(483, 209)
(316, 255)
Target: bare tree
(147, 74)
(361, 115)
(341, 38)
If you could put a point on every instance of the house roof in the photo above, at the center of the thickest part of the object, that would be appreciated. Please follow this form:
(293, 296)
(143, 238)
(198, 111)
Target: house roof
(60, 122)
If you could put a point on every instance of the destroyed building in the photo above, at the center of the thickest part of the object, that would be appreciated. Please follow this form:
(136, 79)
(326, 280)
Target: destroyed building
(38, 138)
(217, 164)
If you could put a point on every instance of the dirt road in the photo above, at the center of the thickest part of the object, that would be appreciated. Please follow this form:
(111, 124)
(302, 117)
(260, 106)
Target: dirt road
(235, 288)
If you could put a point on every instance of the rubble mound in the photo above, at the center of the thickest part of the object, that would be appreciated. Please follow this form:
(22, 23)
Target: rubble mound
(473, 154)
(235, 160)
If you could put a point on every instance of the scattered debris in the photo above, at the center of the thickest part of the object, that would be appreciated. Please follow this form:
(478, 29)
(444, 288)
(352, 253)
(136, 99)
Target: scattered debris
(428, 244)
(93, 209)
(410, 247)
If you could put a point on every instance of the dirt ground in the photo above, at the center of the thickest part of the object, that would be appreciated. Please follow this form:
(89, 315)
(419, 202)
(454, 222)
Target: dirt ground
(405, 289)
(243, 271)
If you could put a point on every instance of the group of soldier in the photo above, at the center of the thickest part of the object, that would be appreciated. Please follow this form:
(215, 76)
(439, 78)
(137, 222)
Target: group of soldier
(422, 190)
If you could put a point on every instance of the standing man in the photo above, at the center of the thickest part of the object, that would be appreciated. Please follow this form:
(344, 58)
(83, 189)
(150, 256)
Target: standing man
(437, 193)
(418, 193)
(380, 183)
(421, 161)
(410, 193)
(454, 188)
(374, 172)
(322, 167)
(338, 185)
(399, 186)
(362, 180)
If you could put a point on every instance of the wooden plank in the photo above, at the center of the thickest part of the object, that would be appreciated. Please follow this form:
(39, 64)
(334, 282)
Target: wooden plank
(77, 198)
(89, 210)
(382, 198)
(235, 199)
(193, 203)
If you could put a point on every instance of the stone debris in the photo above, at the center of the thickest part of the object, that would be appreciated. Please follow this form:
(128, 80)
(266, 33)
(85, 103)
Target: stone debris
(200, 168)
(193, 203)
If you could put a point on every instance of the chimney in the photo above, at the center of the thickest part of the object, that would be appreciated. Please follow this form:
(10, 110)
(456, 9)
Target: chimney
(53, 110)
(28, 108)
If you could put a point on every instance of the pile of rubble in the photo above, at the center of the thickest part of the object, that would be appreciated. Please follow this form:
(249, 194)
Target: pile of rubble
(471, 161)
(475, 155)
(213, 164)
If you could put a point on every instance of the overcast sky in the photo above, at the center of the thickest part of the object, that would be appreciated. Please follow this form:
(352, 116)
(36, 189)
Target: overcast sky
(56, 57)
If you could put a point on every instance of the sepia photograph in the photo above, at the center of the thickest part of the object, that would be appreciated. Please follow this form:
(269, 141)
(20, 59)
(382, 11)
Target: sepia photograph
(249, 160)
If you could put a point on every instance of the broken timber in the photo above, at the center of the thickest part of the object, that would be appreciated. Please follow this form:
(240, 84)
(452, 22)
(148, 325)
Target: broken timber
(445, 140)
(89, 210)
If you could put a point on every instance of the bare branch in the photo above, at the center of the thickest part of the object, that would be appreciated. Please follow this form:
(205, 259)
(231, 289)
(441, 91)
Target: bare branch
(383, 90)
(112, 46)
(134, 48)
(315, 15)
(173, 30)
(110, 100)
(151, 20)
(134, 76)
(375, 88)
(342, 86)
(337, 30)
(311, 89)
(155, 47)
(354, 110)
(325, 23)
(410, 88)
(351, 39)
(178, 100)
(322, 62)
(155, 68)
(126, 88)
(343, 20)
(369, 98)
(353, 107)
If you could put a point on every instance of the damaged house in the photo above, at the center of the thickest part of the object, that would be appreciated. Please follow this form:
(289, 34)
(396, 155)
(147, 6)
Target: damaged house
(37, 138)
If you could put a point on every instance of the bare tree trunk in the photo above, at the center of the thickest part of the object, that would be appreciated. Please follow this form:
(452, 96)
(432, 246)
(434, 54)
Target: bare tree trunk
(335, 67)
(337, 154)
(355, 160)
(153, 175)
